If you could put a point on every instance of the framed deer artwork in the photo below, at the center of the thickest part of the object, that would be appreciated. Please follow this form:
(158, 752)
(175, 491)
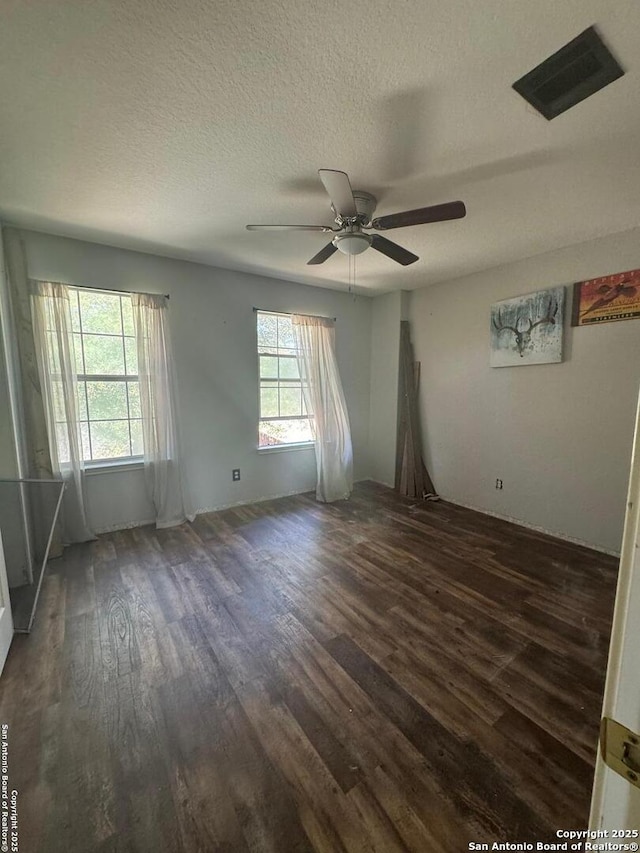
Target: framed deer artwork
(528, 329)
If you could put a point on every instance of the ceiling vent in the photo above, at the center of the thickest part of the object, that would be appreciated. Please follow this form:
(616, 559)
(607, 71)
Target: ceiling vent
(570, 75)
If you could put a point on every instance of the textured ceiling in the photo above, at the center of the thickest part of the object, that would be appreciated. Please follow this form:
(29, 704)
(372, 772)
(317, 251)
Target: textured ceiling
(167, 126)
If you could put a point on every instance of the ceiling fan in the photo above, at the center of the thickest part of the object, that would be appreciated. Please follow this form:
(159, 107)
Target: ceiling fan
(354, 210)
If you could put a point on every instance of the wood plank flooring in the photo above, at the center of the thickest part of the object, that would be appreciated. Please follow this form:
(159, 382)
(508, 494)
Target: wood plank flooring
(374, 675)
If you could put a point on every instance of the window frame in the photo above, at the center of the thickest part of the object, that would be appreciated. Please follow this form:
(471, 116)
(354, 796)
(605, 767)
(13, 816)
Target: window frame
(110, 462)
(278, 382)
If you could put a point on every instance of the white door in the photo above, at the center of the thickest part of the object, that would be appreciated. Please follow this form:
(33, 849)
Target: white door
(615, 804)
(6, 622)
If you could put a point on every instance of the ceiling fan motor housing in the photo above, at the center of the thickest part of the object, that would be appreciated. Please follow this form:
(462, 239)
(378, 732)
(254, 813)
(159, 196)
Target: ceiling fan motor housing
(365, 206)
(352, 241)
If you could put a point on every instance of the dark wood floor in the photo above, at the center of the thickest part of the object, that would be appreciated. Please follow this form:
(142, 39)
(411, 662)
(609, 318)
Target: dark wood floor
(376, 675)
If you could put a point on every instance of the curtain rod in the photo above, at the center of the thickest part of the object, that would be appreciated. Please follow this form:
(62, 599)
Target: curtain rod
(116, 290)
(290, 314)
(107, 289)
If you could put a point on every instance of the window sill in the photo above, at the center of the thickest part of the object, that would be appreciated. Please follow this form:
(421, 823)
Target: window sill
(281, 448)
(92, 468)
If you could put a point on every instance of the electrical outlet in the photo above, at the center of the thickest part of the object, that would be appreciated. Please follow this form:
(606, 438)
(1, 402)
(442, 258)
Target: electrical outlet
(498, 483)
(235, 475)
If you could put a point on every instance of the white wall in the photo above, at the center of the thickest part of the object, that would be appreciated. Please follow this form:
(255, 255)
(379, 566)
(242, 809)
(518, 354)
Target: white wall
(558, 435)
(16, 551)
(385, 361)
(8, 453)
(214, 338)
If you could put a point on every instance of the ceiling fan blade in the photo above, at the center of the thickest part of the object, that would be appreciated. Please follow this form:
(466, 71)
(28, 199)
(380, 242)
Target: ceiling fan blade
(338, 186)
(323, 254)
(435, 213)
(324, 228)
(393, 251)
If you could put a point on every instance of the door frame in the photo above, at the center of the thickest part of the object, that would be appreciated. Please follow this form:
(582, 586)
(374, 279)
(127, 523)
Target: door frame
(613, 798)
(6, 619)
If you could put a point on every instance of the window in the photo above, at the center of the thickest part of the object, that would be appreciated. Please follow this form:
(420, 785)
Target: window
(283, 415)
(107, 370)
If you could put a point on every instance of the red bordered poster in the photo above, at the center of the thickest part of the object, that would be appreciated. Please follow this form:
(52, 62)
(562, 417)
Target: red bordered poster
(605, 299)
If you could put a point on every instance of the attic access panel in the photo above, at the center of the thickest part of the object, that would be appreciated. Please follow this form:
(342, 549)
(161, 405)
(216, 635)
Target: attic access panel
(577, 70)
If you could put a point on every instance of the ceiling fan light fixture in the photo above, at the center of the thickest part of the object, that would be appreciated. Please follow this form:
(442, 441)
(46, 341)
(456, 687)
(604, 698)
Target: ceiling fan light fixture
(353, 243)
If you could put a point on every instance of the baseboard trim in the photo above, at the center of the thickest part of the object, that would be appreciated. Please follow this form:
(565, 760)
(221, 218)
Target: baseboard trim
(124, 525)
(130, 525)
(554, 533)
(220, 507)
(379, 482)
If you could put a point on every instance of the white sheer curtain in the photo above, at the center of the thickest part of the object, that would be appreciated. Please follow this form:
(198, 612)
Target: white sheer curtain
(325, 403)
(51, 310)
(158, 397)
